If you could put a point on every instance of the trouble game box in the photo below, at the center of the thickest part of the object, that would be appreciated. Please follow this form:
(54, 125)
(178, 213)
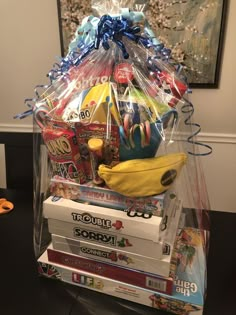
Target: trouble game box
(102, 219)
(150, 236)
(109, 239)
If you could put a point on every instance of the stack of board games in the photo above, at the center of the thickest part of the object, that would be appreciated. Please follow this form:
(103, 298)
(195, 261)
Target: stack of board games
(124, 247)
(187, 293)
(118, 160)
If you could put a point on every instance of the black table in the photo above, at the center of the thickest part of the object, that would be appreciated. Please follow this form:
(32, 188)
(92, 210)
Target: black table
(22, 291)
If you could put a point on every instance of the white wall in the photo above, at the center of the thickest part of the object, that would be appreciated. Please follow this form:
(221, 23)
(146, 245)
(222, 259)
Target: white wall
(215, 110)
(30, 44)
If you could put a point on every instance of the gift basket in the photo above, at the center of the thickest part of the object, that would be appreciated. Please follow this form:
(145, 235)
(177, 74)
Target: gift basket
(119, 193)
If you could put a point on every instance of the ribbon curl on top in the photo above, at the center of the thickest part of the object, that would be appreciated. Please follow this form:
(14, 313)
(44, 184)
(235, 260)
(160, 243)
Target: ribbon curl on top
(86, 32)
(114, 29)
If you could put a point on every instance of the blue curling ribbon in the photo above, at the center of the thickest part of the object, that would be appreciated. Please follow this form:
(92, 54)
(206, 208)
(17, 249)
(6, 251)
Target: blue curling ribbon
(28, 102)
(55, 72)
(188, 108)
(86, 32)
(162, 52)
(91, 33)
(28, 112)
(114, 29)
(88, 37)
(40, 86)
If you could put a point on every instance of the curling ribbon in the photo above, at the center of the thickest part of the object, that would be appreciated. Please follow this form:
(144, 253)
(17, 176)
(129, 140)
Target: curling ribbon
(114, 29)
(30, 102)
(86, 32)
(93, 31)
(188, 108)
(85, 37)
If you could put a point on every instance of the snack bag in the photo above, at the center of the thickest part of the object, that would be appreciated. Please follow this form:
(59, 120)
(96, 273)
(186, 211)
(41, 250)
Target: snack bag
(89, 106)
(96, 148)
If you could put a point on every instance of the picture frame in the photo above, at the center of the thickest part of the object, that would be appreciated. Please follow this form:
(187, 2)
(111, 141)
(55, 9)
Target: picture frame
(193, 30)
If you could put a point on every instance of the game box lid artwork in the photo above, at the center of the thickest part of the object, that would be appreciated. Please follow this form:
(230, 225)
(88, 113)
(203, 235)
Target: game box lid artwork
(117, 167)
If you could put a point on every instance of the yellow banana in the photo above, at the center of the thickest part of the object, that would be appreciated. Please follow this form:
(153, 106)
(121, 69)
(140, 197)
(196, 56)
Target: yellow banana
(143, 177)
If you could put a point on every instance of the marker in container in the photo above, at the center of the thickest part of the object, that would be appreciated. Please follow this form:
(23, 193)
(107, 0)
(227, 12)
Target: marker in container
(95, 146)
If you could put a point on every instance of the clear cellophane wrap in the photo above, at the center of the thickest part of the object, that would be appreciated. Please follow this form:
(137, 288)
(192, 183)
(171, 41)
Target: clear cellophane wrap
(117, 116)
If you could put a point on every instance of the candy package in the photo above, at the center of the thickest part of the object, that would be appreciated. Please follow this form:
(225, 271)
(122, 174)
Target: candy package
(116, 160)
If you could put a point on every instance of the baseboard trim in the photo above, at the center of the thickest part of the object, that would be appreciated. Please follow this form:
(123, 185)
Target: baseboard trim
(16, 128)
(225, 138)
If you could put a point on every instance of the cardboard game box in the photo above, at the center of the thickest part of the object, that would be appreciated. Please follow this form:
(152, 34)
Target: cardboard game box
(146, 236)
(101, 218)
(188, 292)
(105, 197)
(130, 276)
(109, 255)
(111, 239)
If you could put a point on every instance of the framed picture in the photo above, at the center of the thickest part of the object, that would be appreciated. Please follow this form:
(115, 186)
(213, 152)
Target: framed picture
(70, 16)
(193, 30)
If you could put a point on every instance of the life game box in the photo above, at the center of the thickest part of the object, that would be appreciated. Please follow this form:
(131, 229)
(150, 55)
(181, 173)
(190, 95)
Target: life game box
(188, 292)
(105, 197)
(109, 227)
(113, 272)
(108, 255)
